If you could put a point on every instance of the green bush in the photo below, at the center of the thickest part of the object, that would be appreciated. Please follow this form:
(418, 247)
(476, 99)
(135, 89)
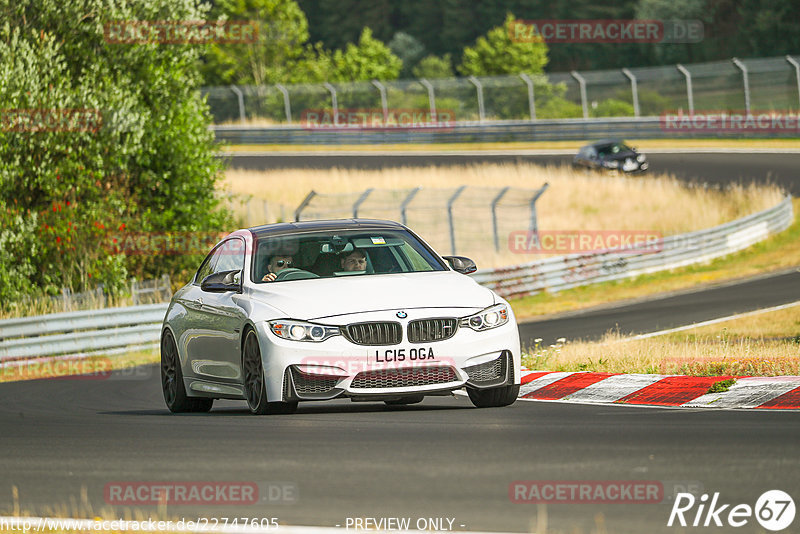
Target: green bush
(145, 162)
(612, 107)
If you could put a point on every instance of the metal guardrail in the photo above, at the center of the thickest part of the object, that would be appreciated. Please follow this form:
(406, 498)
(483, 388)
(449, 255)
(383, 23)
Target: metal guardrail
(99, 331)
(81, 331)
(564, 272)
(477, 132)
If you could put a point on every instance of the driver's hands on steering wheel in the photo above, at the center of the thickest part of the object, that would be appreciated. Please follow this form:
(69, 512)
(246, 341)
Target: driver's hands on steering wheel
(269, 277)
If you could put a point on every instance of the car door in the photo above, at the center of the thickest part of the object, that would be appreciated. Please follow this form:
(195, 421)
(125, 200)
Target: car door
(217, 319)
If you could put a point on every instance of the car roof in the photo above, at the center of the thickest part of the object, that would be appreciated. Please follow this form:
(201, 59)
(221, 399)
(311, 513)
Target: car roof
(332, 224)
(606, 142)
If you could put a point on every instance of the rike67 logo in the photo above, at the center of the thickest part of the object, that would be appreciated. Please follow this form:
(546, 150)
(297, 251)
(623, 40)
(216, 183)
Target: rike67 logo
(774, 510)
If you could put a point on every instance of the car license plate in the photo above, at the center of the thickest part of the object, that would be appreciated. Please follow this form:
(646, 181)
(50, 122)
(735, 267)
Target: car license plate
(412, 354)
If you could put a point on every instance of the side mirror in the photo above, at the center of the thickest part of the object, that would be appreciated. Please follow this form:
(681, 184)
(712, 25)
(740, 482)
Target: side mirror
(221, 282)
(461, 264)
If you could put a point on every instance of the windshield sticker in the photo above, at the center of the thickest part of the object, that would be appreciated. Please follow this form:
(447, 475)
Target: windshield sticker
(378, 241)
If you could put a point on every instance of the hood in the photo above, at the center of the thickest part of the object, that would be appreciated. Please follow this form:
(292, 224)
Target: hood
(620, 156)
(326, 297)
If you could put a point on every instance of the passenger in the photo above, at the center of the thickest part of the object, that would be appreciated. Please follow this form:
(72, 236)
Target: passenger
(277, 264)
(354, 261)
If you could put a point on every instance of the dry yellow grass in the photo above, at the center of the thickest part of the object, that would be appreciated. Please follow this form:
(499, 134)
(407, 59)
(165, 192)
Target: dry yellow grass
(767, 344)
(574, 201)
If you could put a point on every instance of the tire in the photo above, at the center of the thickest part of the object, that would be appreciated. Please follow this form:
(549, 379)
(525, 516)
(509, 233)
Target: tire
(172, 381)
(403, 401)
(255, 388)
(494, 397)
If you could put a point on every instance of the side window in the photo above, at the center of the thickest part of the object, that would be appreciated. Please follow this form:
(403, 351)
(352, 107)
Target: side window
(231, 257)
(207, 267)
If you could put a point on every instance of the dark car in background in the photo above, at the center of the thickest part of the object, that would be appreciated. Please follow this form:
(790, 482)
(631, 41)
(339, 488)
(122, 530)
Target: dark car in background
(612, 155)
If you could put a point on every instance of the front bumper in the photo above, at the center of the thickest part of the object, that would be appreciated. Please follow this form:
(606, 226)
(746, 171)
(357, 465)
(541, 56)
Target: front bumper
(304, 371)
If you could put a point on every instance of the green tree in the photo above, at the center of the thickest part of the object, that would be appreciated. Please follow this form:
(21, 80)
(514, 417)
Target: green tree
(370, 59)
(434, 67)
(279, 54)
(497, 53)
(408, 49)
(142, 161)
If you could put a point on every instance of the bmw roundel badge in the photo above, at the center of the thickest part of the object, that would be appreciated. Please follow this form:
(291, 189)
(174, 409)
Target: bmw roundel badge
(402, 315)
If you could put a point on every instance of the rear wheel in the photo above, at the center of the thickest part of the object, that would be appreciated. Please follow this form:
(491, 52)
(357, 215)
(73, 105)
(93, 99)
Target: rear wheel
(172, 381)
(493, 397)
(402, 401)
(254, 384)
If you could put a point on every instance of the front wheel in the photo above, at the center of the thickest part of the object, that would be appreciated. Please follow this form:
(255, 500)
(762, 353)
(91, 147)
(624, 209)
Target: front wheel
(494, 397)
(254, 384)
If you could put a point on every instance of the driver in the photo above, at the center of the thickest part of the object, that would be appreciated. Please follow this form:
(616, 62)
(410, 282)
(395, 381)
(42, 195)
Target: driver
(355, 261)
(277, 264)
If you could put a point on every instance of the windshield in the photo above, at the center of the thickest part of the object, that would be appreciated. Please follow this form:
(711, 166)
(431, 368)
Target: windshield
(616, 148)
(329, 254)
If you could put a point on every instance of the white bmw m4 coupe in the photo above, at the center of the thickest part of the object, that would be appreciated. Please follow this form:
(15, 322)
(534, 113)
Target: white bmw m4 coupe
(318, 310)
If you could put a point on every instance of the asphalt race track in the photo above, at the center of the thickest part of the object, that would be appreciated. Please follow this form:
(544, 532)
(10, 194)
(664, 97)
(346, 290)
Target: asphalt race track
(678, 309)
(440, 459)
(713, 167)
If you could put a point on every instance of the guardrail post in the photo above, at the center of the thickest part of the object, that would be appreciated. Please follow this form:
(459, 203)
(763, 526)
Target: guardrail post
(531, 103)
(689, 93)
(495, 201)
(793, 62)
(360, 200)
(479, 91)
(303, 205)
(384, 101)
(334, 101)
(240, 97)
(450, 202)
(431, 96)
(534, 223)
(287, 104)
(582, 83)
(634, 90)
(406, 202)
(746, 80)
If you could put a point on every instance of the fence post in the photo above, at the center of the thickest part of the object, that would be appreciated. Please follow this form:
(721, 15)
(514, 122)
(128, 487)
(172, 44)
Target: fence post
(134, 292)
(240, 97)
(479, 91)
(360, 200)
(496, 201)
(431, 95)
(793, 62)
(406, 202)
(531, 102)
(303, 205)
(746, 81)
(634, 90)
(287, 103)
(450, 218)
(334, 101)
(65, 298)
(167, 286)
(384, 101)
(689, 93)
(534, 222)
(582, 83)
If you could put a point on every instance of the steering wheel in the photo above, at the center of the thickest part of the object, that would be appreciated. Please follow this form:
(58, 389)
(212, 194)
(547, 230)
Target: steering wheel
(286, 272)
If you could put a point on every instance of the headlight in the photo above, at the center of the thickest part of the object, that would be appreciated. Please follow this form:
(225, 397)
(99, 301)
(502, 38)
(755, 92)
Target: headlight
(302, 331)
(640, 158)
(614, 164)
(491, 317)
